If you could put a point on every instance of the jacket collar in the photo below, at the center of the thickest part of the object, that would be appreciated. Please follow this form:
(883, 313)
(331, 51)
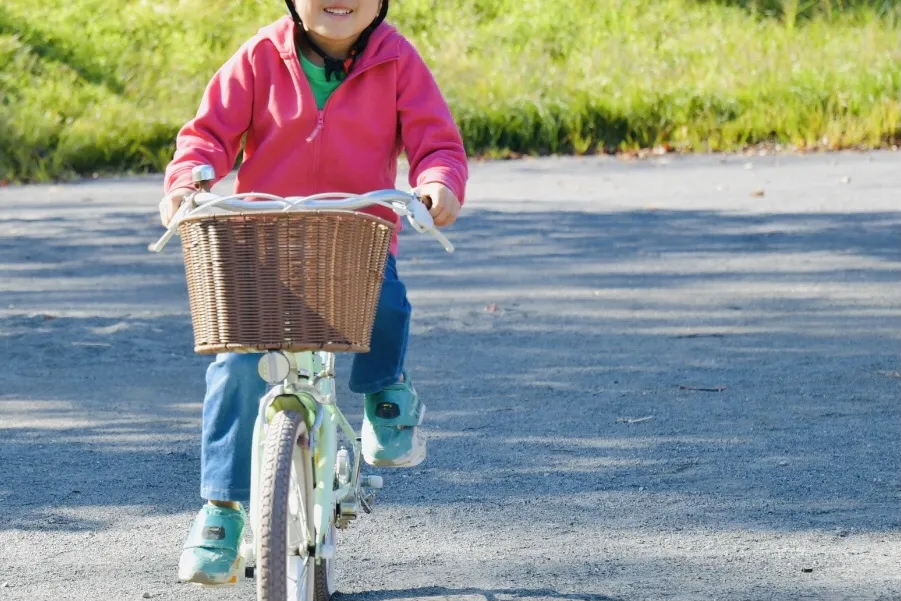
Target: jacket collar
(382, 44)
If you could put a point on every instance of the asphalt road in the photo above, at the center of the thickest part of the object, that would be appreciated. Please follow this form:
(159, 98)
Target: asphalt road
(667, 379)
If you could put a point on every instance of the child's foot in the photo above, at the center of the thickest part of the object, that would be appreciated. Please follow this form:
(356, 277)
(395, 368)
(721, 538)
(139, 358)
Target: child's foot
(391, 433)
(211, 555)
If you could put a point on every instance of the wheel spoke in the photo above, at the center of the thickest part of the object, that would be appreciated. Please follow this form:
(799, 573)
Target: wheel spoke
(299, 535)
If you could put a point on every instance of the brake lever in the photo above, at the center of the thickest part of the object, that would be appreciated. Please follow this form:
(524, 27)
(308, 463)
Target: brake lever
(419, 216)
(185, 206)
(447, 244)
(422, 221)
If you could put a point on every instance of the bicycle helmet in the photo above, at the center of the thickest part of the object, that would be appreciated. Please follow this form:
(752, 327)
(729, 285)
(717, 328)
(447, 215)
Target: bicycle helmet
(336, 66)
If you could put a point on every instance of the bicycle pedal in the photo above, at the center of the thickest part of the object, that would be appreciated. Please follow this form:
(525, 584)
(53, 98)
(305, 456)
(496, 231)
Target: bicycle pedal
(248, 552)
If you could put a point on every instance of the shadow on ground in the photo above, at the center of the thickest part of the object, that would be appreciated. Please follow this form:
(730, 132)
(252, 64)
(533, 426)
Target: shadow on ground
(509, 594)
(740, 367)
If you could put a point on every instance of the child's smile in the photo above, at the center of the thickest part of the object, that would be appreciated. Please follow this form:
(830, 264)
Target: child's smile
(334, 26)
(338, 11)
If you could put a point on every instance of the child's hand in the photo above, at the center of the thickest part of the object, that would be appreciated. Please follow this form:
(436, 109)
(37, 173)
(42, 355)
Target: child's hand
(445, 205)
(169, 205)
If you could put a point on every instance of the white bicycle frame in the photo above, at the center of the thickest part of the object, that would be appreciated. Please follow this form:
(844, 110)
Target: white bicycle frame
(308, 376)
(311, 381)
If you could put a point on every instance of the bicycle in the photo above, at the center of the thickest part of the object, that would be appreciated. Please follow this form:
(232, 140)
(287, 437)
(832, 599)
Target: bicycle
(303, 486)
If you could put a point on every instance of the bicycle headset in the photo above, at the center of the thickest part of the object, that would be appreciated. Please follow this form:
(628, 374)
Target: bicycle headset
(338, 67)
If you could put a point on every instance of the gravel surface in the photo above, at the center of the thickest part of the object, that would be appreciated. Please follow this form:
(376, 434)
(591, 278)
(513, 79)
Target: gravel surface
(668, 379)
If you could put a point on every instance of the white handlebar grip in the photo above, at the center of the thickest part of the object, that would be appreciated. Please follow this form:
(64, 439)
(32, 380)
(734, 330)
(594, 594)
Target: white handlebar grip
(202, 198)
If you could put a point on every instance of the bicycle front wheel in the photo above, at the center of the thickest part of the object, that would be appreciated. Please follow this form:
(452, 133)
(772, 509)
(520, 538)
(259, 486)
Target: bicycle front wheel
(287, 568)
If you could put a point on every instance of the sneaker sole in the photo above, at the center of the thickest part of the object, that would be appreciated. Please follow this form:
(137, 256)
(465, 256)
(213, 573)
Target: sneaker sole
(416, 455)
(206, 581)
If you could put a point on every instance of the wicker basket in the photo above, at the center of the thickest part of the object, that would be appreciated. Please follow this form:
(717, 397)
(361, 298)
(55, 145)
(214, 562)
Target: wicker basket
(295, 281)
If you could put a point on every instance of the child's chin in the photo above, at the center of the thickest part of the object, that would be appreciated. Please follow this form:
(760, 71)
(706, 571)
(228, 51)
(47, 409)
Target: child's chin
(337, 33)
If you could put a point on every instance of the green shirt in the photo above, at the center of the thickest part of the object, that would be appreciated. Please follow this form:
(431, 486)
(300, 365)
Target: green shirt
(322, 89)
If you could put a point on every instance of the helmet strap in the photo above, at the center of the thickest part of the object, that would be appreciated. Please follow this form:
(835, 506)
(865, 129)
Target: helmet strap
(334, 66)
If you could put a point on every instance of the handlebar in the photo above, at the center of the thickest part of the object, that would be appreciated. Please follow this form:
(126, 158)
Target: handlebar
(405, 204)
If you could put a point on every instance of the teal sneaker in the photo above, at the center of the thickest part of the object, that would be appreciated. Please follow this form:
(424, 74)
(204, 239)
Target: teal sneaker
(391, 433)
(212, 553)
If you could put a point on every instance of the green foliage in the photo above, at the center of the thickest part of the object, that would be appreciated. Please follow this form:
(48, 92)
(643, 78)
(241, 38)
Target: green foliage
(104, 85)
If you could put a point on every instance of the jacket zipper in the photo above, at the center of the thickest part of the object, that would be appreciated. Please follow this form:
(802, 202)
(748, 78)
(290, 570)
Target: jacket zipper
(320, 121)
(320, 115)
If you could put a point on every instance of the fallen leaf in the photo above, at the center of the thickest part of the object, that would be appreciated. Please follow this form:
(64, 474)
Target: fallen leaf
(758, 193)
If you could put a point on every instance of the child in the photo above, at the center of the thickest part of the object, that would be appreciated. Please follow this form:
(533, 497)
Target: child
(327, 99)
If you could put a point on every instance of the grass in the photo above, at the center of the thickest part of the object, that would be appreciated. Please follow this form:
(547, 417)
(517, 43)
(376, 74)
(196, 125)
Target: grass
(104, 85)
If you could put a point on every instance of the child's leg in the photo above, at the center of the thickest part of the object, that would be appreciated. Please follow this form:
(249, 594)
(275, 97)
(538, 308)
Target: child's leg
(384, 363)
(391, 436)
(234, 388)
(211, 554)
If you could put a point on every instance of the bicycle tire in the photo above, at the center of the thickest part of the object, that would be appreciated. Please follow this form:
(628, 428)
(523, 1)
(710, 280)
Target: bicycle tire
(324, 579)
(281, 452)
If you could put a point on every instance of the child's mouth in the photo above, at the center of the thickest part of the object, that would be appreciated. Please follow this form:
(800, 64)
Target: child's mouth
(338, 11)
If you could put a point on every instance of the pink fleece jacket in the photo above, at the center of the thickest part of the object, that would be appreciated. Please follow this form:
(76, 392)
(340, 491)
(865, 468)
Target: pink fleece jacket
(389, 103)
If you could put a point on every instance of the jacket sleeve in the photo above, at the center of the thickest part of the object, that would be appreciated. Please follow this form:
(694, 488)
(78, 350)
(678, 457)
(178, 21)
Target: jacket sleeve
(213, 136)
(429, 134)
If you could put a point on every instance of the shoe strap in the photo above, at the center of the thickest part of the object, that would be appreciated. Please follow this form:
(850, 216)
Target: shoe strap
(217, 528)
(404, 401)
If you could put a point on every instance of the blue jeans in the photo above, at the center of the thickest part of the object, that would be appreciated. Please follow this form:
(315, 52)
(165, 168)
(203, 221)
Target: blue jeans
(234, 388)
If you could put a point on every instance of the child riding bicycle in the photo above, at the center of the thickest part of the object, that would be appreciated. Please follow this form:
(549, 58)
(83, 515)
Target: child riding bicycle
(326, 99)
